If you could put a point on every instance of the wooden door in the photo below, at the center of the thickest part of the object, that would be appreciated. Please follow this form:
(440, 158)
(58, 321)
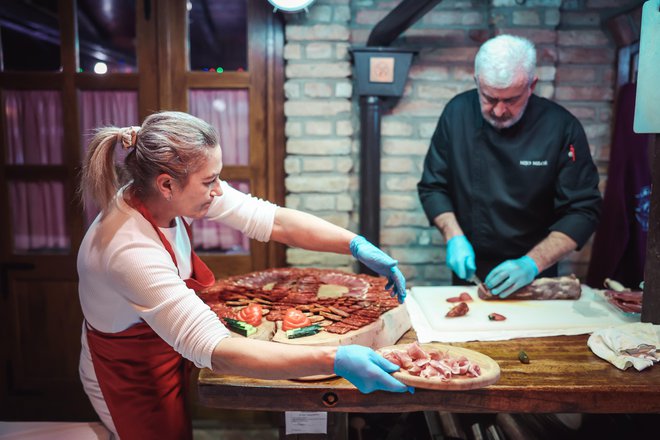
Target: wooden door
(262, 80)
(40, 316)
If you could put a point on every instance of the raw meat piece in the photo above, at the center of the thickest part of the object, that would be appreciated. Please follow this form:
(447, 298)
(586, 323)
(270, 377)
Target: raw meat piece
(627, 301)
(496, 317)
(566, 287)
(463, 297)
(458, 310)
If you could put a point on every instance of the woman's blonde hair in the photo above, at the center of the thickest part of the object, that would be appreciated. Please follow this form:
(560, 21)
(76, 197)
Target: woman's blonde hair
(173, 143)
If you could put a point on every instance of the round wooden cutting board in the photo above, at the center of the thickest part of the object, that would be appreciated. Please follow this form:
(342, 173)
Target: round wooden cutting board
(490, 370)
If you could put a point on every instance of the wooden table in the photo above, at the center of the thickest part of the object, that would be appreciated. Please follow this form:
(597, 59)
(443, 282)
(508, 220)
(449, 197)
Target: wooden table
(563, 376)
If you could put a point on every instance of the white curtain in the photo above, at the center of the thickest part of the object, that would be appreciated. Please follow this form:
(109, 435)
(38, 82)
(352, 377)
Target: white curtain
(227, 112)
(35, 136)
(34, 127)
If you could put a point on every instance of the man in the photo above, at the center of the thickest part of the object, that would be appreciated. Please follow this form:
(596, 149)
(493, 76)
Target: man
(508, 178)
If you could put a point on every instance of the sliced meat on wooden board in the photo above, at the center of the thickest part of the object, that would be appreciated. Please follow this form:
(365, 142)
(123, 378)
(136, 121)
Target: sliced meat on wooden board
(566, 287)
(386, 330)
(343, 308)
(489, 369)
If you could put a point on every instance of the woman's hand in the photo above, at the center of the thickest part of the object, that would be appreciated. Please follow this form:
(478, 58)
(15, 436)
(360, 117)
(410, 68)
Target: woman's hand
(367, 370)
(381, 263)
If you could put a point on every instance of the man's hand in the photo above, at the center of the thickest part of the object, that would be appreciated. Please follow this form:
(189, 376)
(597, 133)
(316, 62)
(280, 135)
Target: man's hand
(367, 370)
(381, 263)
(460, 257)
(511, 275)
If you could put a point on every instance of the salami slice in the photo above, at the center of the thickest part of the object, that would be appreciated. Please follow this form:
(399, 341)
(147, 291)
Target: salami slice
(338, 328)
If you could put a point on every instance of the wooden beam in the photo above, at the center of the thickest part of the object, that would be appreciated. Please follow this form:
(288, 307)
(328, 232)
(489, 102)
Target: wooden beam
(109, 81)
(226, 80)
(651, 298)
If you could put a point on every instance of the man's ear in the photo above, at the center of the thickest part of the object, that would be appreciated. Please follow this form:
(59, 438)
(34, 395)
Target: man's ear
(164, 185)
(532, 86)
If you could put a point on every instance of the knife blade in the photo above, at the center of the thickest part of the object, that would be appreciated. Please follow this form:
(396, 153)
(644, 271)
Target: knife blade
(475, 279)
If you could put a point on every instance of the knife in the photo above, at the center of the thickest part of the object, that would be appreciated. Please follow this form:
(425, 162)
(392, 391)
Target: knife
(475, 279)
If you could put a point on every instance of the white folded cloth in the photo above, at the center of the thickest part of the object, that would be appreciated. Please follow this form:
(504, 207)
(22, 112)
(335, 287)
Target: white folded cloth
(627, 345)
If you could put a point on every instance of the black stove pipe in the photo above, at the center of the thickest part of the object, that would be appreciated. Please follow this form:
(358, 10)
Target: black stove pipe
(387, 30)
(370, 109)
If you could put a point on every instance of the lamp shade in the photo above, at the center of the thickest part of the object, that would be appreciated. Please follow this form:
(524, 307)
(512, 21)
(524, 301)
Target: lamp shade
(290, 5)
(381, 71)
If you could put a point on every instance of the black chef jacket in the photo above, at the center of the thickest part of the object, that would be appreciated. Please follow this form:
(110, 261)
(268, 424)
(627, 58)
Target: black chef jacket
(509, 188)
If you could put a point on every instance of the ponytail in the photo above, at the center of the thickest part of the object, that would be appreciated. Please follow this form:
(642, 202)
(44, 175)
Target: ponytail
(99, 180)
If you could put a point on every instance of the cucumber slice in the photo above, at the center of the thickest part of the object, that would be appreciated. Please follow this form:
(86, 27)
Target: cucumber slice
(303, 331)
(240, 327)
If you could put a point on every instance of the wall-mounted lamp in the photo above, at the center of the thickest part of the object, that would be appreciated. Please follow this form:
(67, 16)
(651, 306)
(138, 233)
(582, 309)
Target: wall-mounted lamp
(100, 68)
(290, 5)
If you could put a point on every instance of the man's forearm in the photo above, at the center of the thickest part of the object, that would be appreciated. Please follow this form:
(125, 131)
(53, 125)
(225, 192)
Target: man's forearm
(553, 248)
(448, 225)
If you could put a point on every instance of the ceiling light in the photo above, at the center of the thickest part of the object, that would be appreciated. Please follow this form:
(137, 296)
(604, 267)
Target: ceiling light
(290, 5)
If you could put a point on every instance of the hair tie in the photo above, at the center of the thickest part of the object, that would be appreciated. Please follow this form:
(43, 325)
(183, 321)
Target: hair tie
(128, 136)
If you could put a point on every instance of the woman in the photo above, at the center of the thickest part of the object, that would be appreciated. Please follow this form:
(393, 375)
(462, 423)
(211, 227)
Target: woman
(138, 277)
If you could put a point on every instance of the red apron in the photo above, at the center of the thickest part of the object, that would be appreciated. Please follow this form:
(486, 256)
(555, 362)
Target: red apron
(142, 378)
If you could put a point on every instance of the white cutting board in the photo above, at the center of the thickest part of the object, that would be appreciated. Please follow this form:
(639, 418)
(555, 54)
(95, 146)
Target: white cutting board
(427, 307)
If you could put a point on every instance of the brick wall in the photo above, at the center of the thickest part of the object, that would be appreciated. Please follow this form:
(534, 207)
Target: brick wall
(576, 67)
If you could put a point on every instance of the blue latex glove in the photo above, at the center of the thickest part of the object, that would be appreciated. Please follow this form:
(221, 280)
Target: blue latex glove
(460, 257)
(367, 370)
(381, 263)
(511, 275)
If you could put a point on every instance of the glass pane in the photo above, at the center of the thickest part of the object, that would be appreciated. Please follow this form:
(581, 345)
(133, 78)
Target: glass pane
(100, 108)
(106, 36)
(30, 35)
(38, 220)
(228, 112)
(35, 134)
(217, 35)
(214, 237)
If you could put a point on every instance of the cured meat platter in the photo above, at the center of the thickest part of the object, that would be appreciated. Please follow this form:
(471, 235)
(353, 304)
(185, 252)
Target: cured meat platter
(339, 308)
(471, 369)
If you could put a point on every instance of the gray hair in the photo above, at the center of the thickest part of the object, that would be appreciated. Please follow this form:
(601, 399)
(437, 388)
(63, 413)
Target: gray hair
(500, 59)
(173, 143)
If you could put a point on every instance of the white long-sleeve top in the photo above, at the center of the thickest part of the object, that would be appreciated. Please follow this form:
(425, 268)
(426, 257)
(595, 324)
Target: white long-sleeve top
(126, 275)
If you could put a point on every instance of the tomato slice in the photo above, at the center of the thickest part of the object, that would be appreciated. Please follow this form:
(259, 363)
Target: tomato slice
(294, 318)
(251, 314)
